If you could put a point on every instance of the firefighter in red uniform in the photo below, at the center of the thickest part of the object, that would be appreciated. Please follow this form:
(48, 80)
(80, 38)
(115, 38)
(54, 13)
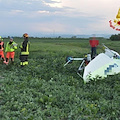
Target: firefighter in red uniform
(93, 43)
(1, 49)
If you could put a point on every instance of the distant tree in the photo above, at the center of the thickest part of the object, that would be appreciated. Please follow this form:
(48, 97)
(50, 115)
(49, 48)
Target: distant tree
(115, 37)
(9, 37)
(59, 36)
(119, 36)
(73, 37)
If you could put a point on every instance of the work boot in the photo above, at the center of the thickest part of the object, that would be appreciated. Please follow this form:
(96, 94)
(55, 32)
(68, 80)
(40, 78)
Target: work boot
(22, 66)
(5, 62)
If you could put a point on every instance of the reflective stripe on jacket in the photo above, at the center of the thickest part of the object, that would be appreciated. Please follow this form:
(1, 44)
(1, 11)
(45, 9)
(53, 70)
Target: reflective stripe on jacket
(25, 47)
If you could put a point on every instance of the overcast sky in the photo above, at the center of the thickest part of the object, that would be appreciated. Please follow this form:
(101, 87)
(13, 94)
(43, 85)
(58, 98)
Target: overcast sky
(57, 16)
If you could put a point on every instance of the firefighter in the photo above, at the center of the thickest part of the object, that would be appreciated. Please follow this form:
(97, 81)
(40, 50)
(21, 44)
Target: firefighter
(11, 46)
(24, 51)
(1, 50)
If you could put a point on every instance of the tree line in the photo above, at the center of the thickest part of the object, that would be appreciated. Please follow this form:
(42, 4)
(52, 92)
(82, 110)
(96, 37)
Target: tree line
(115, 37)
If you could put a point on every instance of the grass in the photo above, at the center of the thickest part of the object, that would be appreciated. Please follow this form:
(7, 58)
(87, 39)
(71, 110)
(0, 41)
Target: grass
(45, 90)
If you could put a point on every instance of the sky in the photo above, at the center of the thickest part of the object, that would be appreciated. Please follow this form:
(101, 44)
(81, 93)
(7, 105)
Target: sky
(37, 17)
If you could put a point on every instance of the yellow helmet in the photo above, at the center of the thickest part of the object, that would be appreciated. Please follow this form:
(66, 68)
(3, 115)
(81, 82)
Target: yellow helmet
(25, 35)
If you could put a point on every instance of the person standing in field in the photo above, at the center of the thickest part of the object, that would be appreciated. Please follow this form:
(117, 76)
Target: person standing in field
(24, 51)
(1, 50)
(93, 43)
(11, 46)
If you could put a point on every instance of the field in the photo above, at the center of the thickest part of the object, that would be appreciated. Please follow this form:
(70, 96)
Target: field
(46, 90)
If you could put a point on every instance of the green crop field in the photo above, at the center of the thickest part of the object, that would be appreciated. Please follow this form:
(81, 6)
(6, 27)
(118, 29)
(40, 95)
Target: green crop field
(46, 90)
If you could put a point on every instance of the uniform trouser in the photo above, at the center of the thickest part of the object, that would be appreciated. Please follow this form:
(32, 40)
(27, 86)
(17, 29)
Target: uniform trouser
(23, 60)
(93, 52)
(2, 55)
(10, 55)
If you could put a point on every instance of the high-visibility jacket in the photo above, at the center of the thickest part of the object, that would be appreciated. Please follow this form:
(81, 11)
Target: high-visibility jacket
(25, 47)
(1, 46)
(11, 47)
